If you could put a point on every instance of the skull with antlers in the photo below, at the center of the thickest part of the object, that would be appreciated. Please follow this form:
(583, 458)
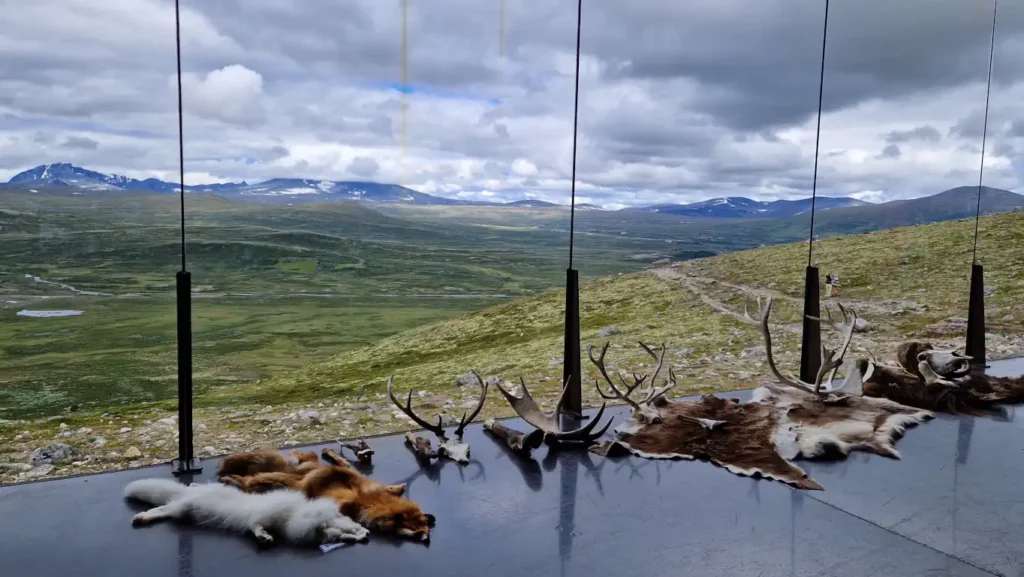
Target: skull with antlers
(450, 447)
(831, 360)
(645, 411)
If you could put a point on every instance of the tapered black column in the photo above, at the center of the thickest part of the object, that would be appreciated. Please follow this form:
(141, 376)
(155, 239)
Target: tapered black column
(573, 404)
(186, 463)
(976, 317)
(810, 347)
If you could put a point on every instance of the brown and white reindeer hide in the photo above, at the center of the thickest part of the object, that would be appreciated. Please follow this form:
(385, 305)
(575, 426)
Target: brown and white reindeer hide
(762, 436)
(961, 389)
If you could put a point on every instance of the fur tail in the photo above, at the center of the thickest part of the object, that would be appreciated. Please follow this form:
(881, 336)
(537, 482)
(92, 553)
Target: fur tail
(155, 491)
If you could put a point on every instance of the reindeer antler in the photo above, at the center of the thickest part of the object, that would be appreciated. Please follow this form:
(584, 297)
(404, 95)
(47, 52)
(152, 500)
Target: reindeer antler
(831, 360)
(527, 408)
(645, 410)
(437, 429)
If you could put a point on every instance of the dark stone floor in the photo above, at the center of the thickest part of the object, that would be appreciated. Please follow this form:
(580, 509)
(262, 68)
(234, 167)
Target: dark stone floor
(948, 508)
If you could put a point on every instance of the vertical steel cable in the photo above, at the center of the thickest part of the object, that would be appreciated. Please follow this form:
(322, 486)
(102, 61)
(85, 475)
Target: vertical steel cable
(817, 139)
(984, 130)
(575, 124)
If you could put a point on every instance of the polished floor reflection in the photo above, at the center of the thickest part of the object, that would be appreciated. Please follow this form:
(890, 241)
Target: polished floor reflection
(948, 508)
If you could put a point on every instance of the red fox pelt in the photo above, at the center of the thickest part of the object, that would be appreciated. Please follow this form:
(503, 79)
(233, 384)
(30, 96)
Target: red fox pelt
(378, 507)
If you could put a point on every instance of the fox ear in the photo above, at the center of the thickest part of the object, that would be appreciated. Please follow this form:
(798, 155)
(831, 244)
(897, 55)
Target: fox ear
(430, 519)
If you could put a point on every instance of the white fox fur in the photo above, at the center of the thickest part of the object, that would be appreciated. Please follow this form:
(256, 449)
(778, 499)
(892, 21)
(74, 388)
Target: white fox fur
(286, 512)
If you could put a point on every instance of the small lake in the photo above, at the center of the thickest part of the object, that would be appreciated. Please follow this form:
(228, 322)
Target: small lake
(64, 313)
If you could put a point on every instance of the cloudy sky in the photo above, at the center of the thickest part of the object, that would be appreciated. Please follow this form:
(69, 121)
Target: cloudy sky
(679, 101)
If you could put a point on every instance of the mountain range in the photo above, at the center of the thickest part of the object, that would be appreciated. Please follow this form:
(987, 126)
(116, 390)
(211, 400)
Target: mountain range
(740, 207)
(953, 203)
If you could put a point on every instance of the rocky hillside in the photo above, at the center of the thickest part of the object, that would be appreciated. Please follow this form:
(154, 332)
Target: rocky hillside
(904, 282)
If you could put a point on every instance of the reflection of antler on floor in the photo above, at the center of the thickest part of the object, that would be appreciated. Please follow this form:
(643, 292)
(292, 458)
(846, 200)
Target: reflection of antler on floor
(432, 471)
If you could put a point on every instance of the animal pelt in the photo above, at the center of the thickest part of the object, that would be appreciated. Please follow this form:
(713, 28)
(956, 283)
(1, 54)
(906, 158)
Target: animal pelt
(762, 436)
(286, 513)
(968, 392)
(378, 507)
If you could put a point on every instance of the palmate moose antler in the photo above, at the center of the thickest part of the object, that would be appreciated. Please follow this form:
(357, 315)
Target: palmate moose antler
(547, 423)
(453, 447)
(830, 360)
(645, 410)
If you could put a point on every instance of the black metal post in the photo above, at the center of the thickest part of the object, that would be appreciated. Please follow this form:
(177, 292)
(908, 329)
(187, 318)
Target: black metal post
(976, 317)
(810, 347)
(571, 377)
(186, 463)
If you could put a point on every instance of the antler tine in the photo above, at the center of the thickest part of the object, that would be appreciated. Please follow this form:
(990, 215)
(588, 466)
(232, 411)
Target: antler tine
(483, 397)
(585, 433)
(616, 393)
(437, 429)
(656, 393)
(832, 360)
(657, 369)
(766, 311)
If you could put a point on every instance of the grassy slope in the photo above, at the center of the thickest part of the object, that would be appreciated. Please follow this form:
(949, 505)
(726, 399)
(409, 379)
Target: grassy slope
(925, 265)
(882, 273)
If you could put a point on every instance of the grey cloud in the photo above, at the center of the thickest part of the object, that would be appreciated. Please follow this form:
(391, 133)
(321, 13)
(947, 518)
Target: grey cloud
(890, 151)
(678, 100)
(364, 167)
(927, 133)
(81, 142)
(381, 126)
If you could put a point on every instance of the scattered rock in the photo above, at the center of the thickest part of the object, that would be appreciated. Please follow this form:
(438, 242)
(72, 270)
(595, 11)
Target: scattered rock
(607, 332)
(63, 426)
(40, 471)
(99, 442)
(53, 453)
(555, 363)
(466, 380)
(861, 326)
(752, 352)
(17, 467)
(132, 453)
(447, 420)
(772, 286)
(126, 429)
(209, 450)
(170, 422)
(898, 312)
(84, 431)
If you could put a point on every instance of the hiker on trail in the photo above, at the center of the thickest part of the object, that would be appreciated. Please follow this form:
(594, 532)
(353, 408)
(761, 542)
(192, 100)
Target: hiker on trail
(835, 284)
(828, 286)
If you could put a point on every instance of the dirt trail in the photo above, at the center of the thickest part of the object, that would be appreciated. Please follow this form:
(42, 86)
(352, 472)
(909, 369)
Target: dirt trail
(691, 283)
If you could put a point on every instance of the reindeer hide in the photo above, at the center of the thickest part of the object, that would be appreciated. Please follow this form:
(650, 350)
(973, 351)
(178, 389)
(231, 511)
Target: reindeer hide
(763, 435)
(974, 393)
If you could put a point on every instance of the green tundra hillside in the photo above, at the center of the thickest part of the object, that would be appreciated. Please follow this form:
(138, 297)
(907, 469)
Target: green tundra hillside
(908, 282)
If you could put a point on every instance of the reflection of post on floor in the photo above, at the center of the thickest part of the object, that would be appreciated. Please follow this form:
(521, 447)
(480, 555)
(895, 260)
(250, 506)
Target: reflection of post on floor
(185, 554)
(567, 507)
